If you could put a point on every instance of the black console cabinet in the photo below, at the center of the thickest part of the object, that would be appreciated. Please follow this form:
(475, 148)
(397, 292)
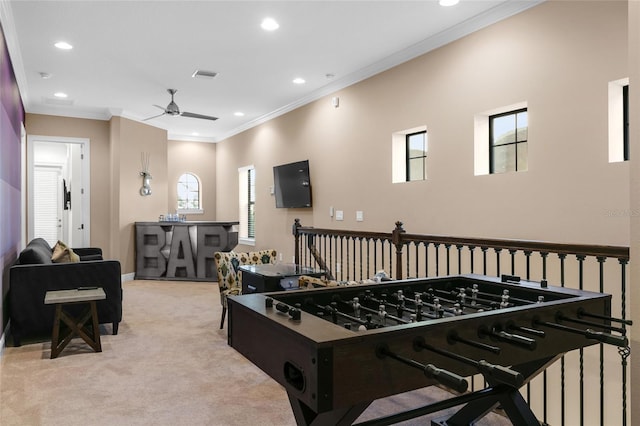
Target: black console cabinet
(181, 250)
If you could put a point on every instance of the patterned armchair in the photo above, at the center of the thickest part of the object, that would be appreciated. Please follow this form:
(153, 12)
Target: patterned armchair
(229, 274)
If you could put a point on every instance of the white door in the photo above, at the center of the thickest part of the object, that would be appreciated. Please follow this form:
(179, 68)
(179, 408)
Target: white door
(62, 200)
(47, 211)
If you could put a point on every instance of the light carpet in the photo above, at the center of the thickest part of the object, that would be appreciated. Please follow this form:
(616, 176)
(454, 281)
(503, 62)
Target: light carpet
(169, 365)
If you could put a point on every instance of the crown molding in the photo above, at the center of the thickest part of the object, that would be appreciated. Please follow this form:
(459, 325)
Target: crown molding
(485, 19)
(11, 39)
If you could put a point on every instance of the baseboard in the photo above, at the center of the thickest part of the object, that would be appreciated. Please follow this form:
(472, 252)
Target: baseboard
(128, 277)
(3, 339)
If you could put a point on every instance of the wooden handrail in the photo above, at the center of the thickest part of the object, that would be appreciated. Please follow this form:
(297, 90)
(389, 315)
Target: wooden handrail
(399, 238)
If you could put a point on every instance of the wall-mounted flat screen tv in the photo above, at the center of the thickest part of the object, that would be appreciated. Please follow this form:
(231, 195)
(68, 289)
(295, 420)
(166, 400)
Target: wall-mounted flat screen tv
(292, 185)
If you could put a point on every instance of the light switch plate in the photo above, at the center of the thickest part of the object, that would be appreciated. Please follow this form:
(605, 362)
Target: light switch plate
(359, 216)
(339, 215)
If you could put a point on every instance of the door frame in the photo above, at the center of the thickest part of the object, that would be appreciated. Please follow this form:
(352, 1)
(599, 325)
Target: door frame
(86, 181)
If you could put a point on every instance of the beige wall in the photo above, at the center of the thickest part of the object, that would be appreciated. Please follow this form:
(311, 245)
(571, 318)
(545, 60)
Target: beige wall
(97, 131)
(132, 139)
(555, 56)
(198, 158)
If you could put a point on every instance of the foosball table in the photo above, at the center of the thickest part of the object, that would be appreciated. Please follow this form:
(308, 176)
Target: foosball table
(336, 350)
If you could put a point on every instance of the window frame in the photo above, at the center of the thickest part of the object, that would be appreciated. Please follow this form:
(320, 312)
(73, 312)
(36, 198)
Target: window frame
(515, 143)
(198, 210)
(618, 143)
(251, 203)
(244, 188)
(408, 156)
(625, 122)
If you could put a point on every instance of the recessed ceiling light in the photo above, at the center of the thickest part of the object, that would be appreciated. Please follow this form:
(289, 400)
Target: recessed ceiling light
(448, 2)
(60, 95)
(63, 45)
(269, 24)
(299, 80)
(45, 75)
(239, 114)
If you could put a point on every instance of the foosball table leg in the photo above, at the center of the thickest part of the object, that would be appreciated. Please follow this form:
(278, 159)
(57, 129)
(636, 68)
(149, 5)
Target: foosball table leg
(339, 417)
(509, 399)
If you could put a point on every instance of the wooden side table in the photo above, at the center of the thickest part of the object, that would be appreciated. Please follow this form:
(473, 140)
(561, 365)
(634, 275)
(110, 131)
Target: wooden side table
(90, 333)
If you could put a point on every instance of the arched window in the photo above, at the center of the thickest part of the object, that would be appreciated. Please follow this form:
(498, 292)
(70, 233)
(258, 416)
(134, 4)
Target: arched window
(189, 194)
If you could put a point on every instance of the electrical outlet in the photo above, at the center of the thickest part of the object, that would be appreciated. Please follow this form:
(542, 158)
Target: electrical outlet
(339, 215)
(359, 216)
(337, 268)
(280, 257)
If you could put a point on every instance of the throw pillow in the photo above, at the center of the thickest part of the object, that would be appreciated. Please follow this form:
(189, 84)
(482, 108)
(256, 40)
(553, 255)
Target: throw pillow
(63, 254)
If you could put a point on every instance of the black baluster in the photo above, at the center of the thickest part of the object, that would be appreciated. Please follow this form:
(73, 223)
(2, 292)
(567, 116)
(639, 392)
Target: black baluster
(426, 259)
(562, 257)
(513, 252)
(497, 250)
(601, 260)
(448, 251)
(484, 260)
(624, 354)
(581, 259)
(544, 256)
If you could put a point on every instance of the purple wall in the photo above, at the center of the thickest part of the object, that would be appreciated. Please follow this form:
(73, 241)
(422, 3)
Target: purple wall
(11, 118)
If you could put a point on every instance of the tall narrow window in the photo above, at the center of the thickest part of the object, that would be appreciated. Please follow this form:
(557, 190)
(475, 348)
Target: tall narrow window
(188, 193)
(251, 205)
(247, 204)
(625, 122)
(508, 133)
(416, 156)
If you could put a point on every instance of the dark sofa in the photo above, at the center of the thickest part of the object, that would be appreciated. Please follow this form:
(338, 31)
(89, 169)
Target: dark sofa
(34, 274)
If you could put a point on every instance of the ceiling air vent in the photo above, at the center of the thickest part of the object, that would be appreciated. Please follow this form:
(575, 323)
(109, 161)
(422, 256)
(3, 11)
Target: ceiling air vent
(204, 74)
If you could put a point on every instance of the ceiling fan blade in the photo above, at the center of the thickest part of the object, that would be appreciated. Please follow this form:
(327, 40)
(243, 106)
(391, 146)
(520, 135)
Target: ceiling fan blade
(193, 115)
(158, 106)
(155, 116)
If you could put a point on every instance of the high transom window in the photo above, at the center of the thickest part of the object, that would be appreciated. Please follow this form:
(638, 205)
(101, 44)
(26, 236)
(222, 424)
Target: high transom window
(508, 134)
(416, 156)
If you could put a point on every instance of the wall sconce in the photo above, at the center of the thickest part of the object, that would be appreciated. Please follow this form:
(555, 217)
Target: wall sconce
(146, 176)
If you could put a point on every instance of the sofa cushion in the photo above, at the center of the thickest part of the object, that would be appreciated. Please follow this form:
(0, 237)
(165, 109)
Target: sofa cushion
(63, 254)
(36, 252)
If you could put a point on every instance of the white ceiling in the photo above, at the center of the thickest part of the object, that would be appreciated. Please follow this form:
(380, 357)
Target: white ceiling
(127, 53)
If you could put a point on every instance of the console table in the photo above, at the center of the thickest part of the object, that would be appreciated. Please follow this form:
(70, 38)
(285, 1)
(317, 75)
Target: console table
(268, 277)
(181, 250)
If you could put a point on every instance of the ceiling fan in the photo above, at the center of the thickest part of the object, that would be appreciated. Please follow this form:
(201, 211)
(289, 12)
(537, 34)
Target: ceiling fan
(172, 109)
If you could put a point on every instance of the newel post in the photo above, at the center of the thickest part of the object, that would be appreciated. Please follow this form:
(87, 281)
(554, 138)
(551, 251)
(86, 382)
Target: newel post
(296, 235)
(396, 239)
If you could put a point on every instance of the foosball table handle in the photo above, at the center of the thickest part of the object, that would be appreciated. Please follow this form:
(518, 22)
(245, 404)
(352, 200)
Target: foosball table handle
(446, 378)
